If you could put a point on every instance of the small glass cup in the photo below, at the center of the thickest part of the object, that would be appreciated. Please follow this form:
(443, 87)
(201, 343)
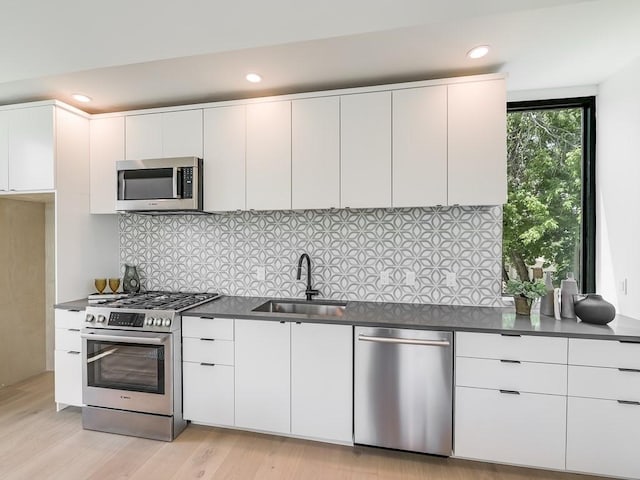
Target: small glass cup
(114, 284)
(100, 284)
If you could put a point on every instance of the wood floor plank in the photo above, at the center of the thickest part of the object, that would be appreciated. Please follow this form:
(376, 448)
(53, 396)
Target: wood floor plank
(36, 442)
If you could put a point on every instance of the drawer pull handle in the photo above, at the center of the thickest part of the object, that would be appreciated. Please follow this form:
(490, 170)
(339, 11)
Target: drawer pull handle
(75, 311)
(73, 352)
(510, 361)
(510, 392)
(510, 334)
(208, 364)
(628, 402)
(629, 370)
(281, 321)
(629, 341)
(207, 339)
(74, 329)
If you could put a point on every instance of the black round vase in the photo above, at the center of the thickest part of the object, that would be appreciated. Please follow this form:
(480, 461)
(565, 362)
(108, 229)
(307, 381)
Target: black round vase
(594, 309)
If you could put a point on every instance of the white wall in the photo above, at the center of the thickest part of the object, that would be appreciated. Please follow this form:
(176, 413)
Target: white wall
(618, 189)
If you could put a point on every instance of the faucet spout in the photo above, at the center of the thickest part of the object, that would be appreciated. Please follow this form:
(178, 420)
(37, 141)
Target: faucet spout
(309, 292)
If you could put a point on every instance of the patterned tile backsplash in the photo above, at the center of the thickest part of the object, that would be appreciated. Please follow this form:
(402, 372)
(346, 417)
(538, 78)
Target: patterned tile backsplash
(348, 249)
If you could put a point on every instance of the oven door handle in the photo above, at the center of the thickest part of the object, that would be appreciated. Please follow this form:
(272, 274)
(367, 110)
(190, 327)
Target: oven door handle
(123, 339)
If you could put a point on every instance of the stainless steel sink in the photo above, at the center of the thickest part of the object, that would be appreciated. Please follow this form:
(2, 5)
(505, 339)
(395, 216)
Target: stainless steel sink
(324, 309)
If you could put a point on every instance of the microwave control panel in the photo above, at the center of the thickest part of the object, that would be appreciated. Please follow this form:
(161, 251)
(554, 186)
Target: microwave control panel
(187, 182)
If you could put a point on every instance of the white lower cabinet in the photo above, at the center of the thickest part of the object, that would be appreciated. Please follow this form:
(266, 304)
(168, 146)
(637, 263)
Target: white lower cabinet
(208, 370)
(294, 378)
(208, 393)
(68, 358)
(603, 413)
(263, 376)
(510, 399)
(603, 437)
(523, 429)
(322, 381)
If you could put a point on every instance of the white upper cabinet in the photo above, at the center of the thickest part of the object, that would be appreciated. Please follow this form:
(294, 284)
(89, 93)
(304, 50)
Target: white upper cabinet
(366, 150)
(31, 148)
(315, 156)
(4, 151)
(420, 146)
(107, 147)
(182, 134)
(224, 158)
(477, 143)
(164, 135)
(269, 156)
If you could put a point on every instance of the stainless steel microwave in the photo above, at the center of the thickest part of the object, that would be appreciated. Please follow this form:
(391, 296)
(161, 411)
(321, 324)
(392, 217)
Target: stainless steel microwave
(163, 184)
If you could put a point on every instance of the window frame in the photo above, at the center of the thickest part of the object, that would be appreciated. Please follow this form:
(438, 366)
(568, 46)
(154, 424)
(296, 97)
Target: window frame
(588, 106)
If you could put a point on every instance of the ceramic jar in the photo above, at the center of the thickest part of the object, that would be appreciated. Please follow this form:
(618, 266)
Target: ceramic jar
(592, 308)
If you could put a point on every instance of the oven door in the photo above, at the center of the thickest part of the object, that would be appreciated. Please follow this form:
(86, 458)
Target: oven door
(128, 370)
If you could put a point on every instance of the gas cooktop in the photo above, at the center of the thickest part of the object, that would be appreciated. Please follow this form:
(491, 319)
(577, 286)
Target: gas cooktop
(161, 301)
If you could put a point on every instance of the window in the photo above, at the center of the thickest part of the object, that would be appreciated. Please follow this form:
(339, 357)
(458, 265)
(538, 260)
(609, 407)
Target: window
(549, 219)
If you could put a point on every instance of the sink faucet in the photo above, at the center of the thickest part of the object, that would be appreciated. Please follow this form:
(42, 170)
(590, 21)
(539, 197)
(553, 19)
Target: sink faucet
(309, 292)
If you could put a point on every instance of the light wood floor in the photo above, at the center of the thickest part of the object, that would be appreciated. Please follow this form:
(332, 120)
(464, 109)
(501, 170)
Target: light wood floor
(38, 443)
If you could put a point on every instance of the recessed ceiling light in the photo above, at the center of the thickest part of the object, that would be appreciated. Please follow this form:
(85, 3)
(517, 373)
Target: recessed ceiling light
(253, 77)
(478, 52)
(81, 98)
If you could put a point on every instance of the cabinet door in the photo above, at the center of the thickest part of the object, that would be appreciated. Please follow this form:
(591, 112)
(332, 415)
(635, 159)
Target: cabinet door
(321, 381)
(420, 147)
(262, 375)
(526, 429)
(224, 158)
(603, 437)
(269, 156)
(365, 147)
(107, 147)
(143, 136)
(4, 151)
(182, 134)
(68, 377)
(315, 156)
(208, 393)
(477, 143)
(31, 149)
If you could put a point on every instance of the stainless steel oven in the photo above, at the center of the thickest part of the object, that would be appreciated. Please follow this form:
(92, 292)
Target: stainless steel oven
(132, 364)
(163, 184)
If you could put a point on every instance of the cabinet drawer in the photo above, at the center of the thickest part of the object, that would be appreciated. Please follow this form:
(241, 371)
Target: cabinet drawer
(68, 340)
(207, 351)
(550, 378)
(527, 429)
(216, 328)
(68, 319)
(208, 393)
(603, 437)
(527, 348)
(608, 383)
(604, 353)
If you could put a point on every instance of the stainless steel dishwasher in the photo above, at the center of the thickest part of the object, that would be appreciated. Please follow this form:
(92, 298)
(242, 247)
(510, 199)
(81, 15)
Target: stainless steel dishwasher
(403, 384)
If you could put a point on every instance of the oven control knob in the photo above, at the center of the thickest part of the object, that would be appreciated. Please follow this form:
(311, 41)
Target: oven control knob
(100, 319)
(149, 321)
(88, 318)
(167, 322)
(158, 322)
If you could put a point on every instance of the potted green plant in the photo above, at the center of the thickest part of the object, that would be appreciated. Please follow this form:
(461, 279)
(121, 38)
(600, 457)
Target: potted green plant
(525, 293)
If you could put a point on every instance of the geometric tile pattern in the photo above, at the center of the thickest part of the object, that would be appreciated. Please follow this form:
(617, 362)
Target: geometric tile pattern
(348, 250)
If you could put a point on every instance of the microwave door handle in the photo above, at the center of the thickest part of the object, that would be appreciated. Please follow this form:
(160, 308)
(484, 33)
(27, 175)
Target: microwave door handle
(177, 182)
(123, 186)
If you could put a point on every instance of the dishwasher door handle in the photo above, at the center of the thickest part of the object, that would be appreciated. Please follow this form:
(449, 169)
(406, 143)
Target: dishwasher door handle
(405, 341)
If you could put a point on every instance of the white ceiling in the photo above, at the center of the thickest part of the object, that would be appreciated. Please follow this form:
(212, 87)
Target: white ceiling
(135, 54)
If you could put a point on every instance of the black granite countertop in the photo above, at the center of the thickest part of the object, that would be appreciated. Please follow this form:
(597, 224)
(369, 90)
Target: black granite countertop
(419, 316)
